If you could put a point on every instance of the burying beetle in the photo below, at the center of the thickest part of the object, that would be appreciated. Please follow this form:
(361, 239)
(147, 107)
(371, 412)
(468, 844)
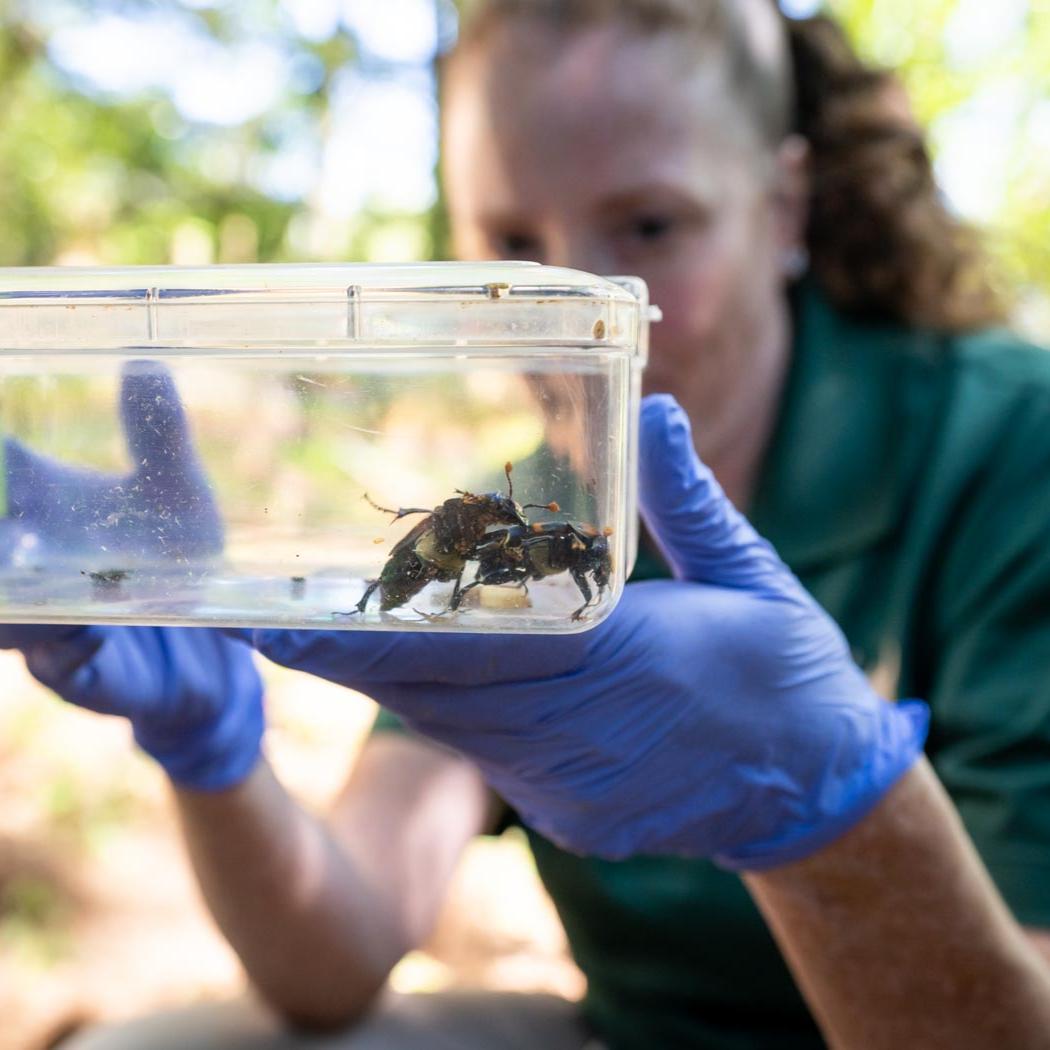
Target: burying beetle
(522, 553)
(440, 546)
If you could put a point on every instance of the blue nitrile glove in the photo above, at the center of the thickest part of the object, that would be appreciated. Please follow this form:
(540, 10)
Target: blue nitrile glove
(161, 509)
(718, 715)
(192, 694)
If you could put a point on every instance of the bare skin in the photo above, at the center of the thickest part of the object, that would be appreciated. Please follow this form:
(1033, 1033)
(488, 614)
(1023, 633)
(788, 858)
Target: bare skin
(897, 936)
(319, 911)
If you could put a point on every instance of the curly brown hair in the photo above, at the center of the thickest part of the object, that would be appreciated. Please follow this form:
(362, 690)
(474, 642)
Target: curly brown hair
(882, 242)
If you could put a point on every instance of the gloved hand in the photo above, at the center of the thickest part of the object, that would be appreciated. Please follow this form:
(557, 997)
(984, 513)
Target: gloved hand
(193, 695)
(162, 508)
(718, 715)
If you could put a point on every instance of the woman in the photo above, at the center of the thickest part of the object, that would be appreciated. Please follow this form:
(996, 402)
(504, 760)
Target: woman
(845, 412)
(896, 462)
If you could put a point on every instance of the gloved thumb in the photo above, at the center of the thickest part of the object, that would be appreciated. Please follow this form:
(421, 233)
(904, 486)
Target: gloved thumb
(58, 655)
(701, 534)
(175, 502)
(154, 420)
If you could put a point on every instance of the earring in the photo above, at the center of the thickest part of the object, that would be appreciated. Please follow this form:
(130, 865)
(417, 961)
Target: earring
(795, 262)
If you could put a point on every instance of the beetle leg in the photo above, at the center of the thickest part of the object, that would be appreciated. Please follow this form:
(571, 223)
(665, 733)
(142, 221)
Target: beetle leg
(585, 589)
(457, 594)
(369, 591)
(510, 574)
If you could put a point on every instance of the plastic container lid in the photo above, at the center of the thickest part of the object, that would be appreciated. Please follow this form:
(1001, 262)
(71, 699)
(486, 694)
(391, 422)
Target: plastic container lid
(490, 305)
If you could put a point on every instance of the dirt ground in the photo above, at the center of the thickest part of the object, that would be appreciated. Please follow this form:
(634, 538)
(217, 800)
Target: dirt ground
(99, 916)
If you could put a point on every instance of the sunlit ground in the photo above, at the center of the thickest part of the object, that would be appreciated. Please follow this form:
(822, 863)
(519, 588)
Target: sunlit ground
(99, 918)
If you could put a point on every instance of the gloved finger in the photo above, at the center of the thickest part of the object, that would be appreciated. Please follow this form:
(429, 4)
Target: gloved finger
(40, 488)
(702, 535)
(177, 499)
(24, 636)
(359, 660)
(57, 658)
(155, 424)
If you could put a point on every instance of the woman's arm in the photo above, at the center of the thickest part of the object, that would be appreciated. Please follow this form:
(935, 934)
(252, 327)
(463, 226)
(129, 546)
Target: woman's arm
(897, 936)
(1040, 939)
(319, 912)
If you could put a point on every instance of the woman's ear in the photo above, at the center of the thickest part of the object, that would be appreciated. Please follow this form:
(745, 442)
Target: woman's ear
(791, 203)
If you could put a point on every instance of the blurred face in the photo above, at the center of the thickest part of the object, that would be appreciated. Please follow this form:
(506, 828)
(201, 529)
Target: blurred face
(620, 153)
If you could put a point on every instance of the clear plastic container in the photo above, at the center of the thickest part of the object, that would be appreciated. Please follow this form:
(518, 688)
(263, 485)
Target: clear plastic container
(213, 446)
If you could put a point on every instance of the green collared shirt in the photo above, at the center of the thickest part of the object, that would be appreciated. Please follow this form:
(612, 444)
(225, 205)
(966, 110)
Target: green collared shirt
(908, 485)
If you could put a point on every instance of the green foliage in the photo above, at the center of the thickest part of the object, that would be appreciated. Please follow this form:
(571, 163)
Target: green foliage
(946, 81)
(106, 177)
(90, 175)
(93, 175)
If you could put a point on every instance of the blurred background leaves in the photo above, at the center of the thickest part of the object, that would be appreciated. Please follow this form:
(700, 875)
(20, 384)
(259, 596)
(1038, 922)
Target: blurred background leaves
(195, 131)
(190, 132)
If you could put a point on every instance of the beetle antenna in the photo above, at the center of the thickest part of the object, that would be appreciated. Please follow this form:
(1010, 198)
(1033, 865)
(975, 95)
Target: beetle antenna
(507, 468)
(398, 514)
(385, 510)
(553, 507)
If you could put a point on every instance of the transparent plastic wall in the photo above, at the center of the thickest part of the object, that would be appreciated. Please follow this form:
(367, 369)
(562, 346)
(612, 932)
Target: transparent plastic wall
(436, 448)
